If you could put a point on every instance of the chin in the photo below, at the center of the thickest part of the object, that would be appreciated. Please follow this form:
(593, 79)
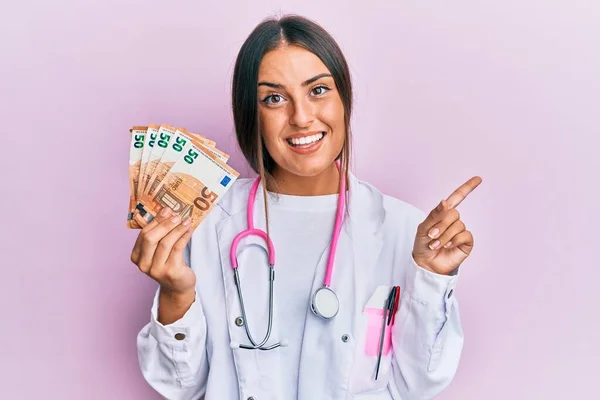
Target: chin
(309, 168)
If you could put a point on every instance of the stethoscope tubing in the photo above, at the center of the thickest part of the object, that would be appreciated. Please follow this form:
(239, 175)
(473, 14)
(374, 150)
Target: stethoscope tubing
(238, 285)
(251, 231)
(336, 231)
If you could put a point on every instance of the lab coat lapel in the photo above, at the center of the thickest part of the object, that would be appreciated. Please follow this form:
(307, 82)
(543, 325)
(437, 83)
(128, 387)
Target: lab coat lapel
(329, 346)
(258, 370)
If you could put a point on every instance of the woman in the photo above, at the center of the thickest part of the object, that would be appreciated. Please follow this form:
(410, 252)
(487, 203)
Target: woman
(292, 102)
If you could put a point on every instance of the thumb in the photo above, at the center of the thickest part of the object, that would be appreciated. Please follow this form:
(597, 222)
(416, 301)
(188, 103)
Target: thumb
(422, 237)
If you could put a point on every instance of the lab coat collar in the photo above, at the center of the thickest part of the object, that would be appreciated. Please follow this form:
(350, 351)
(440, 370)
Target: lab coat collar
(365, 203)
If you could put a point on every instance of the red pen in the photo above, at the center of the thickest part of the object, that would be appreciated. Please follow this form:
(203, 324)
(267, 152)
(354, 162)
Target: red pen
(396, 301)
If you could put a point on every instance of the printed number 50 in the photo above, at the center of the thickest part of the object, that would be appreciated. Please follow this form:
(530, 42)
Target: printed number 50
(203, 203)
(191, 156)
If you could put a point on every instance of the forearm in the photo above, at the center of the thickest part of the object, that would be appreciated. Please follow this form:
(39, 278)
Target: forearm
(173, 306)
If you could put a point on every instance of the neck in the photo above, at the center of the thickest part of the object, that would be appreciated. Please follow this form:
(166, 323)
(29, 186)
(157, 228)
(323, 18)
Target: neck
(327, 182)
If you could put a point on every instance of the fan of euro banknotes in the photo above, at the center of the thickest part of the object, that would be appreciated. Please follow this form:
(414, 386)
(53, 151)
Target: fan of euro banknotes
(172, 167)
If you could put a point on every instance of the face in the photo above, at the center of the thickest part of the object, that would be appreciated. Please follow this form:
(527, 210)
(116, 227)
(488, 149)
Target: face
(300, 110)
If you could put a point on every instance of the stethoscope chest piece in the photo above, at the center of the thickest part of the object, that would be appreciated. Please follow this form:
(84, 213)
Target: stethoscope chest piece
(325, 303)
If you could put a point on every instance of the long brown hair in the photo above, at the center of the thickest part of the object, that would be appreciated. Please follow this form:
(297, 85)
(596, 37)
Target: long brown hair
(269, 35)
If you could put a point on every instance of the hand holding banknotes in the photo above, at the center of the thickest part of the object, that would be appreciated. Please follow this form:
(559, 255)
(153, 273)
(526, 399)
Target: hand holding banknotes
(442, 241)
(176, 177)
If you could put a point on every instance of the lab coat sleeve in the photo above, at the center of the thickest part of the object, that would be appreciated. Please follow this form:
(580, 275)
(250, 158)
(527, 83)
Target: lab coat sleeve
(173, 357)
(427, 336)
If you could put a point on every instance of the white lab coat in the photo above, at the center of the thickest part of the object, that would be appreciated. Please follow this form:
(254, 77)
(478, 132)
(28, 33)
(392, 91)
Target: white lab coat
(374, 249)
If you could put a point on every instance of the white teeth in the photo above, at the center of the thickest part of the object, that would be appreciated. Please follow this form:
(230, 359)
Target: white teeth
(306, 139)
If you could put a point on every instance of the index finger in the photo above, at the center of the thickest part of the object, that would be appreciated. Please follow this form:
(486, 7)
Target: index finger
(164, 213)
(463, 191)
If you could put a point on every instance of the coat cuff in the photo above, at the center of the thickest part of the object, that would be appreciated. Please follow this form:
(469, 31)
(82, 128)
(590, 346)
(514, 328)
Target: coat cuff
(181, 332)
(431, 288)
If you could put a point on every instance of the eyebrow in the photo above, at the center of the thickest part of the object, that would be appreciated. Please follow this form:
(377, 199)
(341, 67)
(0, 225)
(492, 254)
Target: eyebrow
(305, 83)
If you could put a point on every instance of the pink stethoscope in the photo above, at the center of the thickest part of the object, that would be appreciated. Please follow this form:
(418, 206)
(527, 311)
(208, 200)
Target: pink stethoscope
(324, 302)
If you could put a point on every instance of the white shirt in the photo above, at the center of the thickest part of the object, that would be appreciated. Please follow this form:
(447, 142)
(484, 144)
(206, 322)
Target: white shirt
(192, 358)
(300, 228)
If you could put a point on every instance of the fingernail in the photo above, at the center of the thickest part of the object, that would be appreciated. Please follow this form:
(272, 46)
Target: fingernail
(176, 219)
(433, 233)
(165, 211)
(448, 244)
(439, 207)
(187, 221)
(434, 244)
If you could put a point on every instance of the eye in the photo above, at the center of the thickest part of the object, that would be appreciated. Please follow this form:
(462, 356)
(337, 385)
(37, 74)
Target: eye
(275, 99)
(320, 90)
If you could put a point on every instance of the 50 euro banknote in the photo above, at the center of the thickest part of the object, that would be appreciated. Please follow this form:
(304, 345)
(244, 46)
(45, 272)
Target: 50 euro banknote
(156, 139)
(165, 137)
(153, 151)
(146, 146)
(156, 149)
(191, 187)
(162, 160)
(138, 135)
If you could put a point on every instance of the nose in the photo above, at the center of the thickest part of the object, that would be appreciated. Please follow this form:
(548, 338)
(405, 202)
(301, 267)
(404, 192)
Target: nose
(302, 114)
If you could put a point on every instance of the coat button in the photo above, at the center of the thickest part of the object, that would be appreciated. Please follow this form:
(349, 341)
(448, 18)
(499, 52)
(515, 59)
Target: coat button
(239, 321)
(345, 338)
(179, 336)
(251, 398)
(450, 293)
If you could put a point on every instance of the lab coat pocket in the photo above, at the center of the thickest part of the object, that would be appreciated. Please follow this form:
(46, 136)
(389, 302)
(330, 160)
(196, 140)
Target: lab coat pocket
(368, 341)
(373, 339)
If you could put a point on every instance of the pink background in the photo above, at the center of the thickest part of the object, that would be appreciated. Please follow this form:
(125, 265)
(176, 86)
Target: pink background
(506, 90)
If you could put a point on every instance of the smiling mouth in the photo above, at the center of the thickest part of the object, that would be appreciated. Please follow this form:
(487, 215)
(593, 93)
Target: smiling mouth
(306, 141)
